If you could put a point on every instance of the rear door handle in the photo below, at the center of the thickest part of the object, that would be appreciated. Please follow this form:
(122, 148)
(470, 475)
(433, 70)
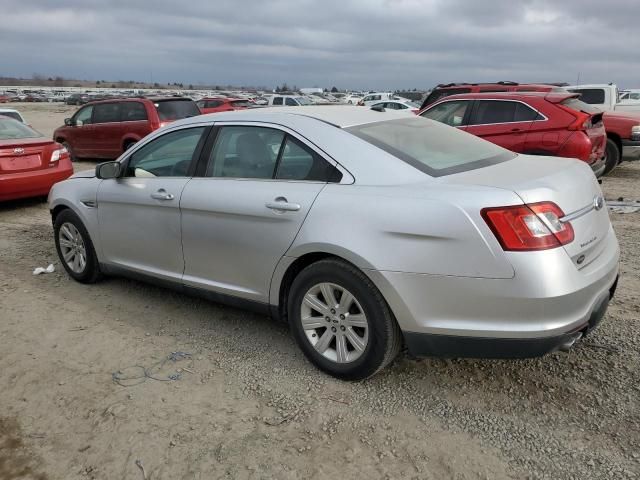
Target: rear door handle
(282, 205)
(162, 195)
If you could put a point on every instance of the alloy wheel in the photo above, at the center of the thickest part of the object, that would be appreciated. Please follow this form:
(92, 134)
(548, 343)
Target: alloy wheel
(72, 247)
(334, 322)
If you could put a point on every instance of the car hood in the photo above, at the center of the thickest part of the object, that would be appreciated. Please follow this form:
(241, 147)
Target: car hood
(84, 174)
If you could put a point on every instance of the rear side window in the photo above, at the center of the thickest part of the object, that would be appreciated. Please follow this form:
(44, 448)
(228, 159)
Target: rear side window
(593, 96)
(489, 112)
(431, 147)
(277, 101)
(106, 113)
(133, 111)
(297, 162)
(291, 102)
(451, 113)
(213, 103)
(176, 109)
(524, 113)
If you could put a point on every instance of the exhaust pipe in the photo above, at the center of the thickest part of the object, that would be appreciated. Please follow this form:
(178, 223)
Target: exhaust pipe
(570, 342)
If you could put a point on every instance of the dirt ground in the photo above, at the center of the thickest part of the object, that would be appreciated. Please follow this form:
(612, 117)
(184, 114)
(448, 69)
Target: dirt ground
(246, 404)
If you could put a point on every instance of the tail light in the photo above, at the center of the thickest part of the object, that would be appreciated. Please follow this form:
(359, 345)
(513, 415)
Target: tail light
(583, 121)
(536, 226)
(58, 155)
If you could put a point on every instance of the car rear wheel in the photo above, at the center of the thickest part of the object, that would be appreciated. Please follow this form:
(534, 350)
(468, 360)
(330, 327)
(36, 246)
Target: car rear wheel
(75, 249)
(612, 156)
(341, 321)
(72, 155)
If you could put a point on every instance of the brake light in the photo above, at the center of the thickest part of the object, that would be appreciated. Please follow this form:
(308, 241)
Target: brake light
(536, 226)
(58, 155)
(582, 120)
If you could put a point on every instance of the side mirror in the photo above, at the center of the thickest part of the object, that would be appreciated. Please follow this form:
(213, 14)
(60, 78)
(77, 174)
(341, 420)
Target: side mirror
(108, 170)
(69, 122)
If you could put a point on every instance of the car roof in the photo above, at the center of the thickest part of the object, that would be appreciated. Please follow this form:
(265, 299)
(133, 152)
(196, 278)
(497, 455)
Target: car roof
(341, 116)
(9, 110)
(495, 84)
(554, 97)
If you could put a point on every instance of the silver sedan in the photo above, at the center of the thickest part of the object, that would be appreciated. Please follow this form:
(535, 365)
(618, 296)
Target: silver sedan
(364, 230)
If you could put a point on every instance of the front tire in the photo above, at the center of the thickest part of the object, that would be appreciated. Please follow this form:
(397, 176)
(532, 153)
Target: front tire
(75, 249)
(612, 156)
(341, 321)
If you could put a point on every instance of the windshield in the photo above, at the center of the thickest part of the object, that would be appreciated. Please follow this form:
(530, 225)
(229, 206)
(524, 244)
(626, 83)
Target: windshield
(431, 147)
(176, 109)
(11, 129)
(14, 115)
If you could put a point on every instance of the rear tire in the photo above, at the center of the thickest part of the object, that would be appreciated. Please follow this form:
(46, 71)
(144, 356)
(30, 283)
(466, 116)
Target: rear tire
(72, 155)
(612, 156)
(128, 145)
(75, 249)
(341, 321)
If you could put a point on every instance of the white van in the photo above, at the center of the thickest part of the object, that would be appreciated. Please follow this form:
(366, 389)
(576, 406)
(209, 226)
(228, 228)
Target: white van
(288, 101)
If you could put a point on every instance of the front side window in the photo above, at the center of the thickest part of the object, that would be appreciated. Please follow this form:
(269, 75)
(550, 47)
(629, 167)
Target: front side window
(450, 113)
(133, 111)
(431, 147)
(167, 156)
(83, 117)
(277, 101)
(106, 113)
(245, 152)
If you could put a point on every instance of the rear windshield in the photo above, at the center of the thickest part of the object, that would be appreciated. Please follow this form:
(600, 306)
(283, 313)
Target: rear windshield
(176, 109)
(431, 147)
(241, 103)
(12, 129)
(579, 105)
(14, 115)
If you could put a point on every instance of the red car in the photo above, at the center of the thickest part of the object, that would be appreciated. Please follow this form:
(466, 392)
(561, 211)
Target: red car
(213, 105)
(29, 163)
(106, 128)
(535, 123)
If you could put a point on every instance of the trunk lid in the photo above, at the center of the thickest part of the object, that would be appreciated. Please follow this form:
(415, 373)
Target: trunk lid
(26, 154)
(568, 183)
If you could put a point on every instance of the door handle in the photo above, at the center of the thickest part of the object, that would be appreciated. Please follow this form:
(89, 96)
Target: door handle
(282, 205)
(162, 195)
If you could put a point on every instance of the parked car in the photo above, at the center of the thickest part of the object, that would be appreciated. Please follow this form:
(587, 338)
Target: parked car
(363, 230)
(353, 98)
(623, 137)
(77, 99)
(534, 123)
(107, 128)
(4, 98)
(374, 98)
(12, 113)
(604, 97)
(630, 96)
(444, 90)
(287, 100)
(407, 107)
(29, 163)
(223, 104)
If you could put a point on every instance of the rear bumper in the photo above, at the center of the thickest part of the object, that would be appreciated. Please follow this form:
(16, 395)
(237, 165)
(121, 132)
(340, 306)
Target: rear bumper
(451, 346)
(32, 184)
(630, 150)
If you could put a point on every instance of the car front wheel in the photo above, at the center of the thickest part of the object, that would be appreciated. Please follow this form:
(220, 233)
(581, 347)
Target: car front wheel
(341, 321)
(75, 248)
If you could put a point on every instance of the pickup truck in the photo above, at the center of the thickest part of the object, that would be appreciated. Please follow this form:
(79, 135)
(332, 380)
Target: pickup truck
(605, 97)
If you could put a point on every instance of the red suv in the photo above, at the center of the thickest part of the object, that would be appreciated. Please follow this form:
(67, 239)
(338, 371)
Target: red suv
(213, 105)
(106, 128)
(535, 123)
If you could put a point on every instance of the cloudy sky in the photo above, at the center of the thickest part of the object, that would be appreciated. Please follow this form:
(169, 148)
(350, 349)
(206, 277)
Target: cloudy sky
(365, 44)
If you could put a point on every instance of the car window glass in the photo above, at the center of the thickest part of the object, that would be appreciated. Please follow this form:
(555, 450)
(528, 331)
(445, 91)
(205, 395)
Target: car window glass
(176, 109)
(451, 113)
(300, 163)
(277, 101)
(524, 113)
(106, 113)
(291, 102)
(133, 111)
(491, 112)
(213, 103)
(593, 96)
(245, 152)
(167, 156)
(83, 117)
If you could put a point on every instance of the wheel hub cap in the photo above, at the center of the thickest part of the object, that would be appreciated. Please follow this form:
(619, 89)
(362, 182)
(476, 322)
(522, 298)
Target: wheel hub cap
(72, 247)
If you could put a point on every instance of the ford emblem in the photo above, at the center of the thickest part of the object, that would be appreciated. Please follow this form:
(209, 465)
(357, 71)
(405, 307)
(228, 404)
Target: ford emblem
(598, 203)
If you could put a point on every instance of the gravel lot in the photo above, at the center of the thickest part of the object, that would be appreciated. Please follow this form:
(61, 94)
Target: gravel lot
(248, 405)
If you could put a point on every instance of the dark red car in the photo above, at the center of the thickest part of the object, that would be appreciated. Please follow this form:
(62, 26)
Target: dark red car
(213, 105)
(535, 123)
(106, 128)
(29, 163)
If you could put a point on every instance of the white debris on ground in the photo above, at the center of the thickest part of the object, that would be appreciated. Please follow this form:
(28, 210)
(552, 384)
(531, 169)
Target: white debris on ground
(40, 270)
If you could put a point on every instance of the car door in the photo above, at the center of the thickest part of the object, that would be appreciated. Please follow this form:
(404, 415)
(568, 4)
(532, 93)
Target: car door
(241, 216)
(80, 133)
(107, 130)
(139, 213)
(496, 122)
(454, 113)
